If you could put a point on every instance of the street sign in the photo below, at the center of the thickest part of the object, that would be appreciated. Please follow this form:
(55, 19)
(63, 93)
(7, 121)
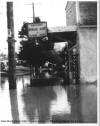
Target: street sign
(37, 29)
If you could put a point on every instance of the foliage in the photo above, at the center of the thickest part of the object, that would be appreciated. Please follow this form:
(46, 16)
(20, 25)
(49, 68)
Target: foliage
(32, 53)
(36, 51)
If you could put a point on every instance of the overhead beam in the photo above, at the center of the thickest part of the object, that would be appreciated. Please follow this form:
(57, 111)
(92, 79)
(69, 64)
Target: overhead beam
(62, 29)
(63, 34)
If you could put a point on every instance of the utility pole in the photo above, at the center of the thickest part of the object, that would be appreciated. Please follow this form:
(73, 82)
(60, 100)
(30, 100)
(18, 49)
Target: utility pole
(11, 47)
(33, 13)
(36, 71)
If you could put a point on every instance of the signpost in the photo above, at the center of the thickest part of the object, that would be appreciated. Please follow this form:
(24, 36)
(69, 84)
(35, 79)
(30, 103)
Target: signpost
(36, 30)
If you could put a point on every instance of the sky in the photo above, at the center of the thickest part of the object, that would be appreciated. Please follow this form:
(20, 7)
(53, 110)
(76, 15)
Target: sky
(52, 11)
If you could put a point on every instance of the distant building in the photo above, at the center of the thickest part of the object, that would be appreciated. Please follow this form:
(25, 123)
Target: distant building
(83, 14)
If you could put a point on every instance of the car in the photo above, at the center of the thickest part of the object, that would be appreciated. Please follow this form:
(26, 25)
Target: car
(4, 65)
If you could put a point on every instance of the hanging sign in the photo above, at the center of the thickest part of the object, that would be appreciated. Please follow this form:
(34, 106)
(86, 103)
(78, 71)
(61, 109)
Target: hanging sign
(37, 29)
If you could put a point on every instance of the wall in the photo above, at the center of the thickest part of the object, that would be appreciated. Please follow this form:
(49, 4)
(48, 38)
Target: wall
(88, 13)
(71, 13)
(87, 33)
(88, 40)
(88, 53)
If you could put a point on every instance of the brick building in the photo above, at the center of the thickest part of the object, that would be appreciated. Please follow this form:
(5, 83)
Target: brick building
(83, 15)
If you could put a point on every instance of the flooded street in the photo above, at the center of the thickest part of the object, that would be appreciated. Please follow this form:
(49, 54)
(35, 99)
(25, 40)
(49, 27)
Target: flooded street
(47, 104)
(49, 62)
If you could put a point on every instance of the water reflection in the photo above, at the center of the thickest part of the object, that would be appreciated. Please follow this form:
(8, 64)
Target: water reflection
(40, 104)
(74, 92)
(37, 103)
(3, 81)
(14, 106)
(5, 108)
(47, 104)
(60, 104)
(89, 103)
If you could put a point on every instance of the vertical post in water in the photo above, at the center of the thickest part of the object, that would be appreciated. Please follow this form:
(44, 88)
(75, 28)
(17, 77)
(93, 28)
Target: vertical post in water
(11, 47)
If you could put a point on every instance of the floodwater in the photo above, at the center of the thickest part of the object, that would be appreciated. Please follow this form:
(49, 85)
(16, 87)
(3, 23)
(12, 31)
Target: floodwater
(55, 103)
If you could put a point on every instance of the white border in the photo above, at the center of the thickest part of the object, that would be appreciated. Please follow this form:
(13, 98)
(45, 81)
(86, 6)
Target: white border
(84, 124)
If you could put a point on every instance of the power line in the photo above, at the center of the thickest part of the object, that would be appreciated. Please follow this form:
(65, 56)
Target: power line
(38, 3)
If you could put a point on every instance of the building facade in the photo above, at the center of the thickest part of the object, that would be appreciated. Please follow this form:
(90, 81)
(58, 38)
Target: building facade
(83, 14)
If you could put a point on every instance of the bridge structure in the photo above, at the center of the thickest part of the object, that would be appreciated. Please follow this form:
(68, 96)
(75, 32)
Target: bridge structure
(68, 34)
(63, 34)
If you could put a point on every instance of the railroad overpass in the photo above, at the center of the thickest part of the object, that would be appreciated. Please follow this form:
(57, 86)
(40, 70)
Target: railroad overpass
(63, 34)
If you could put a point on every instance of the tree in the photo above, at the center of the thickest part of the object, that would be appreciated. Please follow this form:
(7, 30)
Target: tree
(31, 53)
(34, 53)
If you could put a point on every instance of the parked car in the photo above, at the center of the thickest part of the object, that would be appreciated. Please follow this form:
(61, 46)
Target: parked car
(4, 65)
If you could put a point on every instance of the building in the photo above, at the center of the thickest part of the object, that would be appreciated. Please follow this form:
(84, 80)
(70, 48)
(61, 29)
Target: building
(83, 15)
